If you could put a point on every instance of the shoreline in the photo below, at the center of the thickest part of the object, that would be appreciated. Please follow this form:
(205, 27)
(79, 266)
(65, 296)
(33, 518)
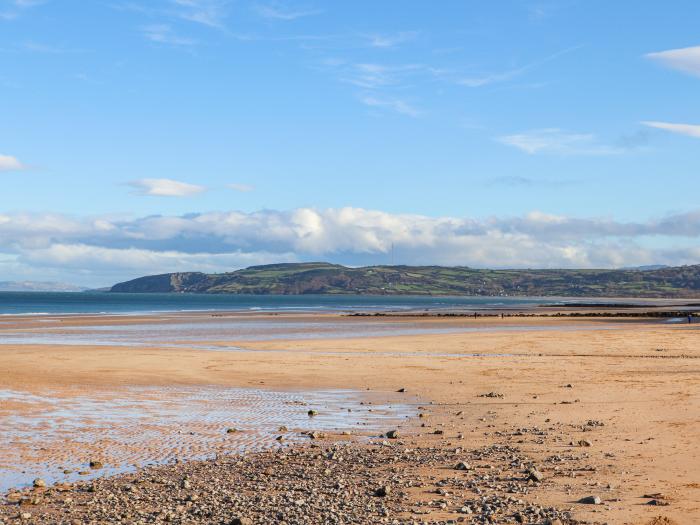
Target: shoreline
(640, 380)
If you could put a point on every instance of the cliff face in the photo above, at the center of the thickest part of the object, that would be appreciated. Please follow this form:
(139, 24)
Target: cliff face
(163, 283)
(323, 278)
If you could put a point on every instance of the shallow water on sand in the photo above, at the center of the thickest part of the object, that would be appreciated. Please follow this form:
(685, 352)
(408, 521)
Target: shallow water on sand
(182, 332)
(43, 435)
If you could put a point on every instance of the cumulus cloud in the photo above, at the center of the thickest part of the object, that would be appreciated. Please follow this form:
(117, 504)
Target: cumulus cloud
(691, 130)
(558, 142)
(165, 187)
(685, 59)
(100, 250)
(10, 163)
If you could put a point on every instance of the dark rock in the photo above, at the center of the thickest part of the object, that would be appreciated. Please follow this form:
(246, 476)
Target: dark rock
(382, 491)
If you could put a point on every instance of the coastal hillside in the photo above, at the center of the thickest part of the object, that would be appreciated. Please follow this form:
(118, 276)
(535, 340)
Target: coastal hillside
(324, 278)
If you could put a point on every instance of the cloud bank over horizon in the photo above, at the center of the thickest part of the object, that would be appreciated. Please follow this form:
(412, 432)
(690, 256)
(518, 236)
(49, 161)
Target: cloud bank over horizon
(102, 250)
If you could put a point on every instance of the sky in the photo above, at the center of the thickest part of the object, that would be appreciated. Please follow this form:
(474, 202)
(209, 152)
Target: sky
(142, 137)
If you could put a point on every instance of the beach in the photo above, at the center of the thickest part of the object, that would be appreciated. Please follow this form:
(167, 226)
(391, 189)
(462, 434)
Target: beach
(598, 407)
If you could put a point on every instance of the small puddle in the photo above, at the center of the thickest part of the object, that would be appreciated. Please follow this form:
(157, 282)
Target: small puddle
(45, 435)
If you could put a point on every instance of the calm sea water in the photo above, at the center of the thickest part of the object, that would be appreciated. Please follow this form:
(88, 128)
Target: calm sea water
(125, 303)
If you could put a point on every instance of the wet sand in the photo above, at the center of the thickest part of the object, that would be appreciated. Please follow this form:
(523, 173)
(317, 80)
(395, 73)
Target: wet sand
(638, 382)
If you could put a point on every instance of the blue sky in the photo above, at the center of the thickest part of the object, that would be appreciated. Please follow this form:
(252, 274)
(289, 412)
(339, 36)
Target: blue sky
(138, 137)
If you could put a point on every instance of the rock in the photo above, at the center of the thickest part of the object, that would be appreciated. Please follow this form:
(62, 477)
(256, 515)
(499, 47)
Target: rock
(312, 413)
(392, 434)
(241, 521)
(39, 483)
(231, 430)
(382, 491)
(462, 466)
(591, 500)
(658, 502)
(282, 428)
(95, 464)
(491, 394)
(401, 390)
(439, 432)
(584, 443)
(535, 475)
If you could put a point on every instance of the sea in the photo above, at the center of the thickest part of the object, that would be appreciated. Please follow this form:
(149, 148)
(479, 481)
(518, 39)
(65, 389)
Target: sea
(56, 303)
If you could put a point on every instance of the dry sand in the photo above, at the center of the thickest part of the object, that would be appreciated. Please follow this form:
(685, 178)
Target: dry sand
(640, 379)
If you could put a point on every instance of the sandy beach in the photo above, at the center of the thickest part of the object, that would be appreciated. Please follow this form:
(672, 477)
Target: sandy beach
(601, 407)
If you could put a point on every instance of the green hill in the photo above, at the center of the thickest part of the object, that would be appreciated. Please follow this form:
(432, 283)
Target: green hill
(324, 278)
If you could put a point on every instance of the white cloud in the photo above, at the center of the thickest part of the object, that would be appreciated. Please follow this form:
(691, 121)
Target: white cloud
(165, 187)
(558, 142)
(685, 59)
(164, 34)
(83, 256)
(391, 103)
(691, 130)
(107, 249)
(10, 163)
(277, 12)
(243, 188)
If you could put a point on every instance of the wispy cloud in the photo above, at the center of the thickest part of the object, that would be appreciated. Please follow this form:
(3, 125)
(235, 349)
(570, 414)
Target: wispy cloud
(38, 47)
(277, 11)
(16, 7)
(691, 130)
(496, 77)
(685, 59)
(520, 181)
(394, 104)
(164, 34)
(392, 40)
(558, 142)
(243, 188)
(210, 13)
(374, 76)
(10, 163)
(165, 188)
